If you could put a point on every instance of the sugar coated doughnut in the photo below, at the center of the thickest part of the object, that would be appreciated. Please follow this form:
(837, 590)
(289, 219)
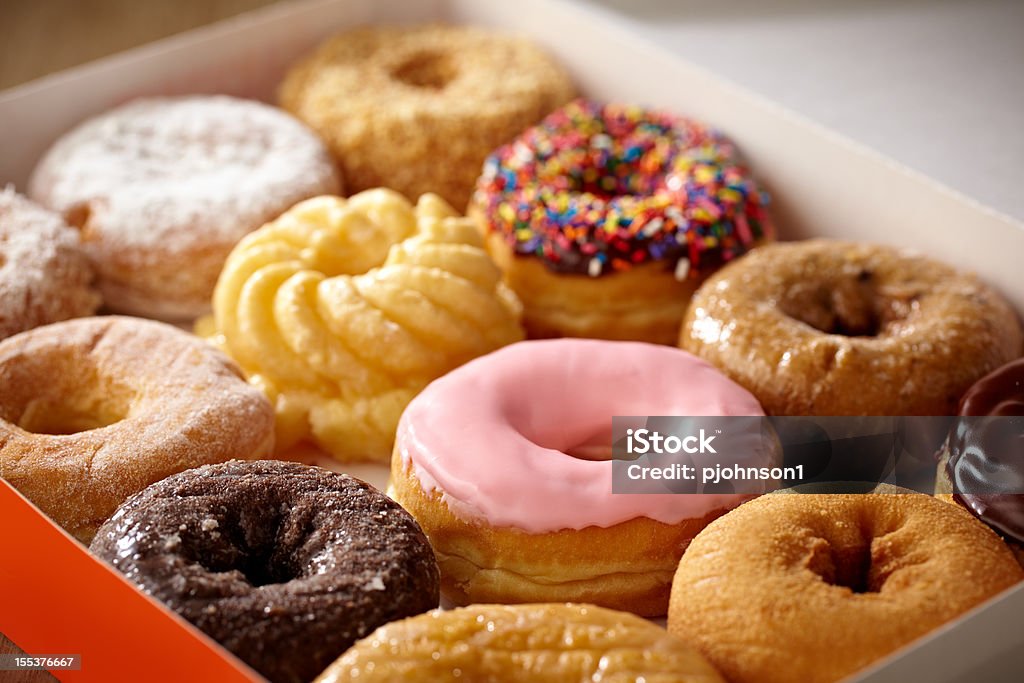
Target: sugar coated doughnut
(163, 188)
(812, 588)
(341, 310)
(484, 460)
(285, 565)
(839, 328)
(606, 218)
(418, 109)
(44, 275)
(93, 410)
(981, 464)
(542, 643)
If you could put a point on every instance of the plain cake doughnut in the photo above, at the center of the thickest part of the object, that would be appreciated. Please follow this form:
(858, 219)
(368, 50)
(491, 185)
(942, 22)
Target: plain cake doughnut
(94, 409)
(812, 588)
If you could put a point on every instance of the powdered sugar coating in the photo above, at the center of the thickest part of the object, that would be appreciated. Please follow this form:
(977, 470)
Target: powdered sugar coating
(44, 276)
(163, 188)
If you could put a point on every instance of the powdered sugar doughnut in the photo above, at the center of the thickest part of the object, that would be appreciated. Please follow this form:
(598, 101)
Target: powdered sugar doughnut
(163, 188)
(44, 276)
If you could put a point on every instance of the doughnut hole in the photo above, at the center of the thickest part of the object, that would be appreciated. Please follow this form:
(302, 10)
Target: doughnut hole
(597, 446)
(55, 391)
(427, 70)
(256, 551)
(847, 306)
(852, 304)
(856, 557)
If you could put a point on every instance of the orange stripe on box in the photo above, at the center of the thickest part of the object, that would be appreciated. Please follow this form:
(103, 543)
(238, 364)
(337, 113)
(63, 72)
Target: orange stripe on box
(57, 598)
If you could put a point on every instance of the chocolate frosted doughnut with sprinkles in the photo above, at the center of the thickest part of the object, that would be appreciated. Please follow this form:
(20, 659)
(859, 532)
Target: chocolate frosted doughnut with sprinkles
(607, 217)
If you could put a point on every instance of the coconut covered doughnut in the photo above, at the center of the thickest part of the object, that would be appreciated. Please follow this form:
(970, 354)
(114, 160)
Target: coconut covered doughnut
(285, 565)
(419, 109)
(839, 328)
(541, 643)
(163, 188)
(44, 275)
(812, 588)
(342, 310)
(93, 410)
(488, 461)
(607, 217)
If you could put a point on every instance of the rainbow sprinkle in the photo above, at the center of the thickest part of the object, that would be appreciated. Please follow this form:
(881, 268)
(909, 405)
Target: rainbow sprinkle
(597, 189)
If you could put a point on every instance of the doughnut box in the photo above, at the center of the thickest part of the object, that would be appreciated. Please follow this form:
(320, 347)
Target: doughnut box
(55, 597)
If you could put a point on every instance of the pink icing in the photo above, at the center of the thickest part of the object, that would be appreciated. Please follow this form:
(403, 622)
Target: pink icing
(491, 435)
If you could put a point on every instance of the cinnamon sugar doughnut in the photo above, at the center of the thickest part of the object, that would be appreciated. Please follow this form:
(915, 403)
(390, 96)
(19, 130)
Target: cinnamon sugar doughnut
(95, 409)
(812, 588)
(44, 276)
(418, 109)
(825, 327)
(163, 188)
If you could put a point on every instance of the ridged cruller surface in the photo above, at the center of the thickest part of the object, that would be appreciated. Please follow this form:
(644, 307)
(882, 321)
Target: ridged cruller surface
(342, 310)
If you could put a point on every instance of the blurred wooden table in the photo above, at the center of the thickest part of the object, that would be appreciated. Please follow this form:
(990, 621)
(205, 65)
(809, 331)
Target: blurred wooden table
(38, 37)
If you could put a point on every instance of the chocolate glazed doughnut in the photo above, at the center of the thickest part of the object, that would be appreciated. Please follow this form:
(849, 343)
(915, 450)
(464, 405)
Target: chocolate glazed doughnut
(981, 464)
(285, 565)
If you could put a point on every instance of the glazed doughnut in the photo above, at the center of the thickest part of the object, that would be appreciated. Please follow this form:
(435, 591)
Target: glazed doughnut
(548, 643)
(484, 461)
(418, 109)
(981, 464)
(812, 588)
(93, 410)
(606, 218)
(163, 188)
(839, 328)
(283, 564)
(44, 276)
(342, 310)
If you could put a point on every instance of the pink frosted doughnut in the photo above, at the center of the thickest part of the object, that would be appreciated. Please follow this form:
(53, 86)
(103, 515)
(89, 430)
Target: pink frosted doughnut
(481, 461)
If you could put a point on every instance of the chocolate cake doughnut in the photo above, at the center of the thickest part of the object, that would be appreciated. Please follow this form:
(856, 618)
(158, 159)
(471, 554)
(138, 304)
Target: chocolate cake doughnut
(283, 564)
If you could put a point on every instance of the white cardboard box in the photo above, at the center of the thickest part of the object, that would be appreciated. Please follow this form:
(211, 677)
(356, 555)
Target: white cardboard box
(821, 184)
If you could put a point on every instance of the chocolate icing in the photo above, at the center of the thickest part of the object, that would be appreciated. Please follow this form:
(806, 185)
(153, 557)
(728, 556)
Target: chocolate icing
(285, 565)
(986, 451)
